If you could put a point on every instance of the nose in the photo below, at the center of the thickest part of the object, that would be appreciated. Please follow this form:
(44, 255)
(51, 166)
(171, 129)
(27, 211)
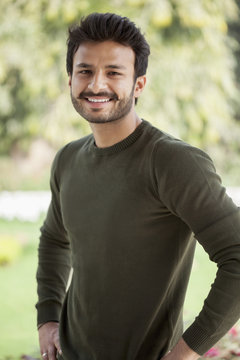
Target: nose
(97, 83)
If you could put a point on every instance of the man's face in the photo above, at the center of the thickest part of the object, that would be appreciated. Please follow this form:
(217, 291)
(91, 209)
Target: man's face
(102, 83)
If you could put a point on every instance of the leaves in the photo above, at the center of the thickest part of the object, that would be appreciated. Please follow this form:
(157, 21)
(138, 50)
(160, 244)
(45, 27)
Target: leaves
(191, 91)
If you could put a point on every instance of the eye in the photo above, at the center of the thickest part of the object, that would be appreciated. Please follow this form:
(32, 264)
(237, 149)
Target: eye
(84, 72)
(114, 73)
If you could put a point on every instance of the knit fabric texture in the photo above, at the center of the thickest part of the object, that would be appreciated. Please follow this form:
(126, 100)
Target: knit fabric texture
(125, 218)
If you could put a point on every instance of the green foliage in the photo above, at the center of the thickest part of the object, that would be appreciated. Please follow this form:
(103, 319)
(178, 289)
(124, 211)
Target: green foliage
(18, 292)
(10, 249)
(192, 91)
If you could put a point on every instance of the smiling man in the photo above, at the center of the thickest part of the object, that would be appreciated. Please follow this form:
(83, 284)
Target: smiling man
(105, 86)
(126, 201)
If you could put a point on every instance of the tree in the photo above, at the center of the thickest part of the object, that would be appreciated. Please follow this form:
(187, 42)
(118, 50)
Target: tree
(234, 32)
(191, 92)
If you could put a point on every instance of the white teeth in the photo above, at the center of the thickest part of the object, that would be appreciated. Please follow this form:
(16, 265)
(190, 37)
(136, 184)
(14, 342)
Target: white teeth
(98, 100)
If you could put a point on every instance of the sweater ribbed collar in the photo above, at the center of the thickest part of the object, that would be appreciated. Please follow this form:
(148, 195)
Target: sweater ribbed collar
(123, 144)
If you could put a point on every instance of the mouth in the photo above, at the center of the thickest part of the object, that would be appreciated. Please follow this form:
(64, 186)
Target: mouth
(97, 100)
(101, 97)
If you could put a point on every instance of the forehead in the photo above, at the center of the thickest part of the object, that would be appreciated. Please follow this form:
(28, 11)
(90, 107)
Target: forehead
(104, 53)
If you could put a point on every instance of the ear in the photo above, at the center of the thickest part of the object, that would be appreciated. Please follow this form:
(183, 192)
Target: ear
(69, 80)
(140, 85)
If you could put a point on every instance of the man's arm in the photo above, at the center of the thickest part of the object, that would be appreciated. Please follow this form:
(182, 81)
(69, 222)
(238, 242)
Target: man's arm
(53, 270)
(190, 188)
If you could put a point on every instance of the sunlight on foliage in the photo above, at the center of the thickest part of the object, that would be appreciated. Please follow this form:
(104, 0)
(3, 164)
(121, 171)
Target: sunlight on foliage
(191, 92)
(10, 249)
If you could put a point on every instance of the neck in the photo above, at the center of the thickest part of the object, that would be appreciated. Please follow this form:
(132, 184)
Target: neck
(108, 134)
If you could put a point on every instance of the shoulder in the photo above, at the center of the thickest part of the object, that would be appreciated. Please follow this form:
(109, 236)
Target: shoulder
(167, 144)
(179, 165)
(68, 151)
(176, 155)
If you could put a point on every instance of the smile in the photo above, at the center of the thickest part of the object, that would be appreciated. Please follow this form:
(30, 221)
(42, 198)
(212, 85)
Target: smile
(98, 100)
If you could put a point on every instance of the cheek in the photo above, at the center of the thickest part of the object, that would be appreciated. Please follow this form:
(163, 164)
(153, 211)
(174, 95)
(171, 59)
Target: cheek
(77, 85)
(125, 88)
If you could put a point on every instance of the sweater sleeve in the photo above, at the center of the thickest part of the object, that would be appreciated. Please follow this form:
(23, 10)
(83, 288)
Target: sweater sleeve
(191, 189)
(53, 256)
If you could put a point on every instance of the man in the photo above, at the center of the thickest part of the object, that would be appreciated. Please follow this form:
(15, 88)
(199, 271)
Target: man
(125, 202)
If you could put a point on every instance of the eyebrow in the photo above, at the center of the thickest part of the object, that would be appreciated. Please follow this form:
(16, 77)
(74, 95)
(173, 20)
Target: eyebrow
(83, 65)
(87, 66)
(115, 67)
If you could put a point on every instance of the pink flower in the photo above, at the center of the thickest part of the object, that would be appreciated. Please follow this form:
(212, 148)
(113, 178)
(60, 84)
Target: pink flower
(233, 331)
(212, 352)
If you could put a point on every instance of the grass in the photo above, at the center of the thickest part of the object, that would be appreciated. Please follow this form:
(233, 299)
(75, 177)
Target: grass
(18, 291)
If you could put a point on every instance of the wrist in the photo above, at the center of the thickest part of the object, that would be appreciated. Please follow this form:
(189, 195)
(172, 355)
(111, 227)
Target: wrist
(183, 352)
(41, 324)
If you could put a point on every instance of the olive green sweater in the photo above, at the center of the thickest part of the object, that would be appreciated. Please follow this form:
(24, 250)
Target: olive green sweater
(123, 218)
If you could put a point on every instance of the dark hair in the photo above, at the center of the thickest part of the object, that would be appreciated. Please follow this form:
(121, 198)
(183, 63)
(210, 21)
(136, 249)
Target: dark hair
(102, 27)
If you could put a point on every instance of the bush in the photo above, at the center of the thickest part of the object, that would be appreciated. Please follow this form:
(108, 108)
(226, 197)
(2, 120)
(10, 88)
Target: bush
(10, 249)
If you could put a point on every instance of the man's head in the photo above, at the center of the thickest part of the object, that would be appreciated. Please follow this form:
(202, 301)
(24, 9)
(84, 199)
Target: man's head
(106, 61)
(99, 27)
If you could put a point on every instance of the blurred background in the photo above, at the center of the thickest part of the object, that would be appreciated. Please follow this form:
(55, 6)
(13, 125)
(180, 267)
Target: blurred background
(193, 92)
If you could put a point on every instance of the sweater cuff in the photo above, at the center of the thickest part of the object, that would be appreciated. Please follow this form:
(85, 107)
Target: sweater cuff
(198, 339)
(48, 311)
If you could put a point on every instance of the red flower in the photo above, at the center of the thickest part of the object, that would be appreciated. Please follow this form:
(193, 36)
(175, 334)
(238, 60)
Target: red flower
(235, 352)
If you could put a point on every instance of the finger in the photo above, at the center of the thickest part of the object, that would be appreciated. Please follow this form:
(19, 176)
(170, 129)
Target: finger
(51, 353)
(58, 347)
(57, 342)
